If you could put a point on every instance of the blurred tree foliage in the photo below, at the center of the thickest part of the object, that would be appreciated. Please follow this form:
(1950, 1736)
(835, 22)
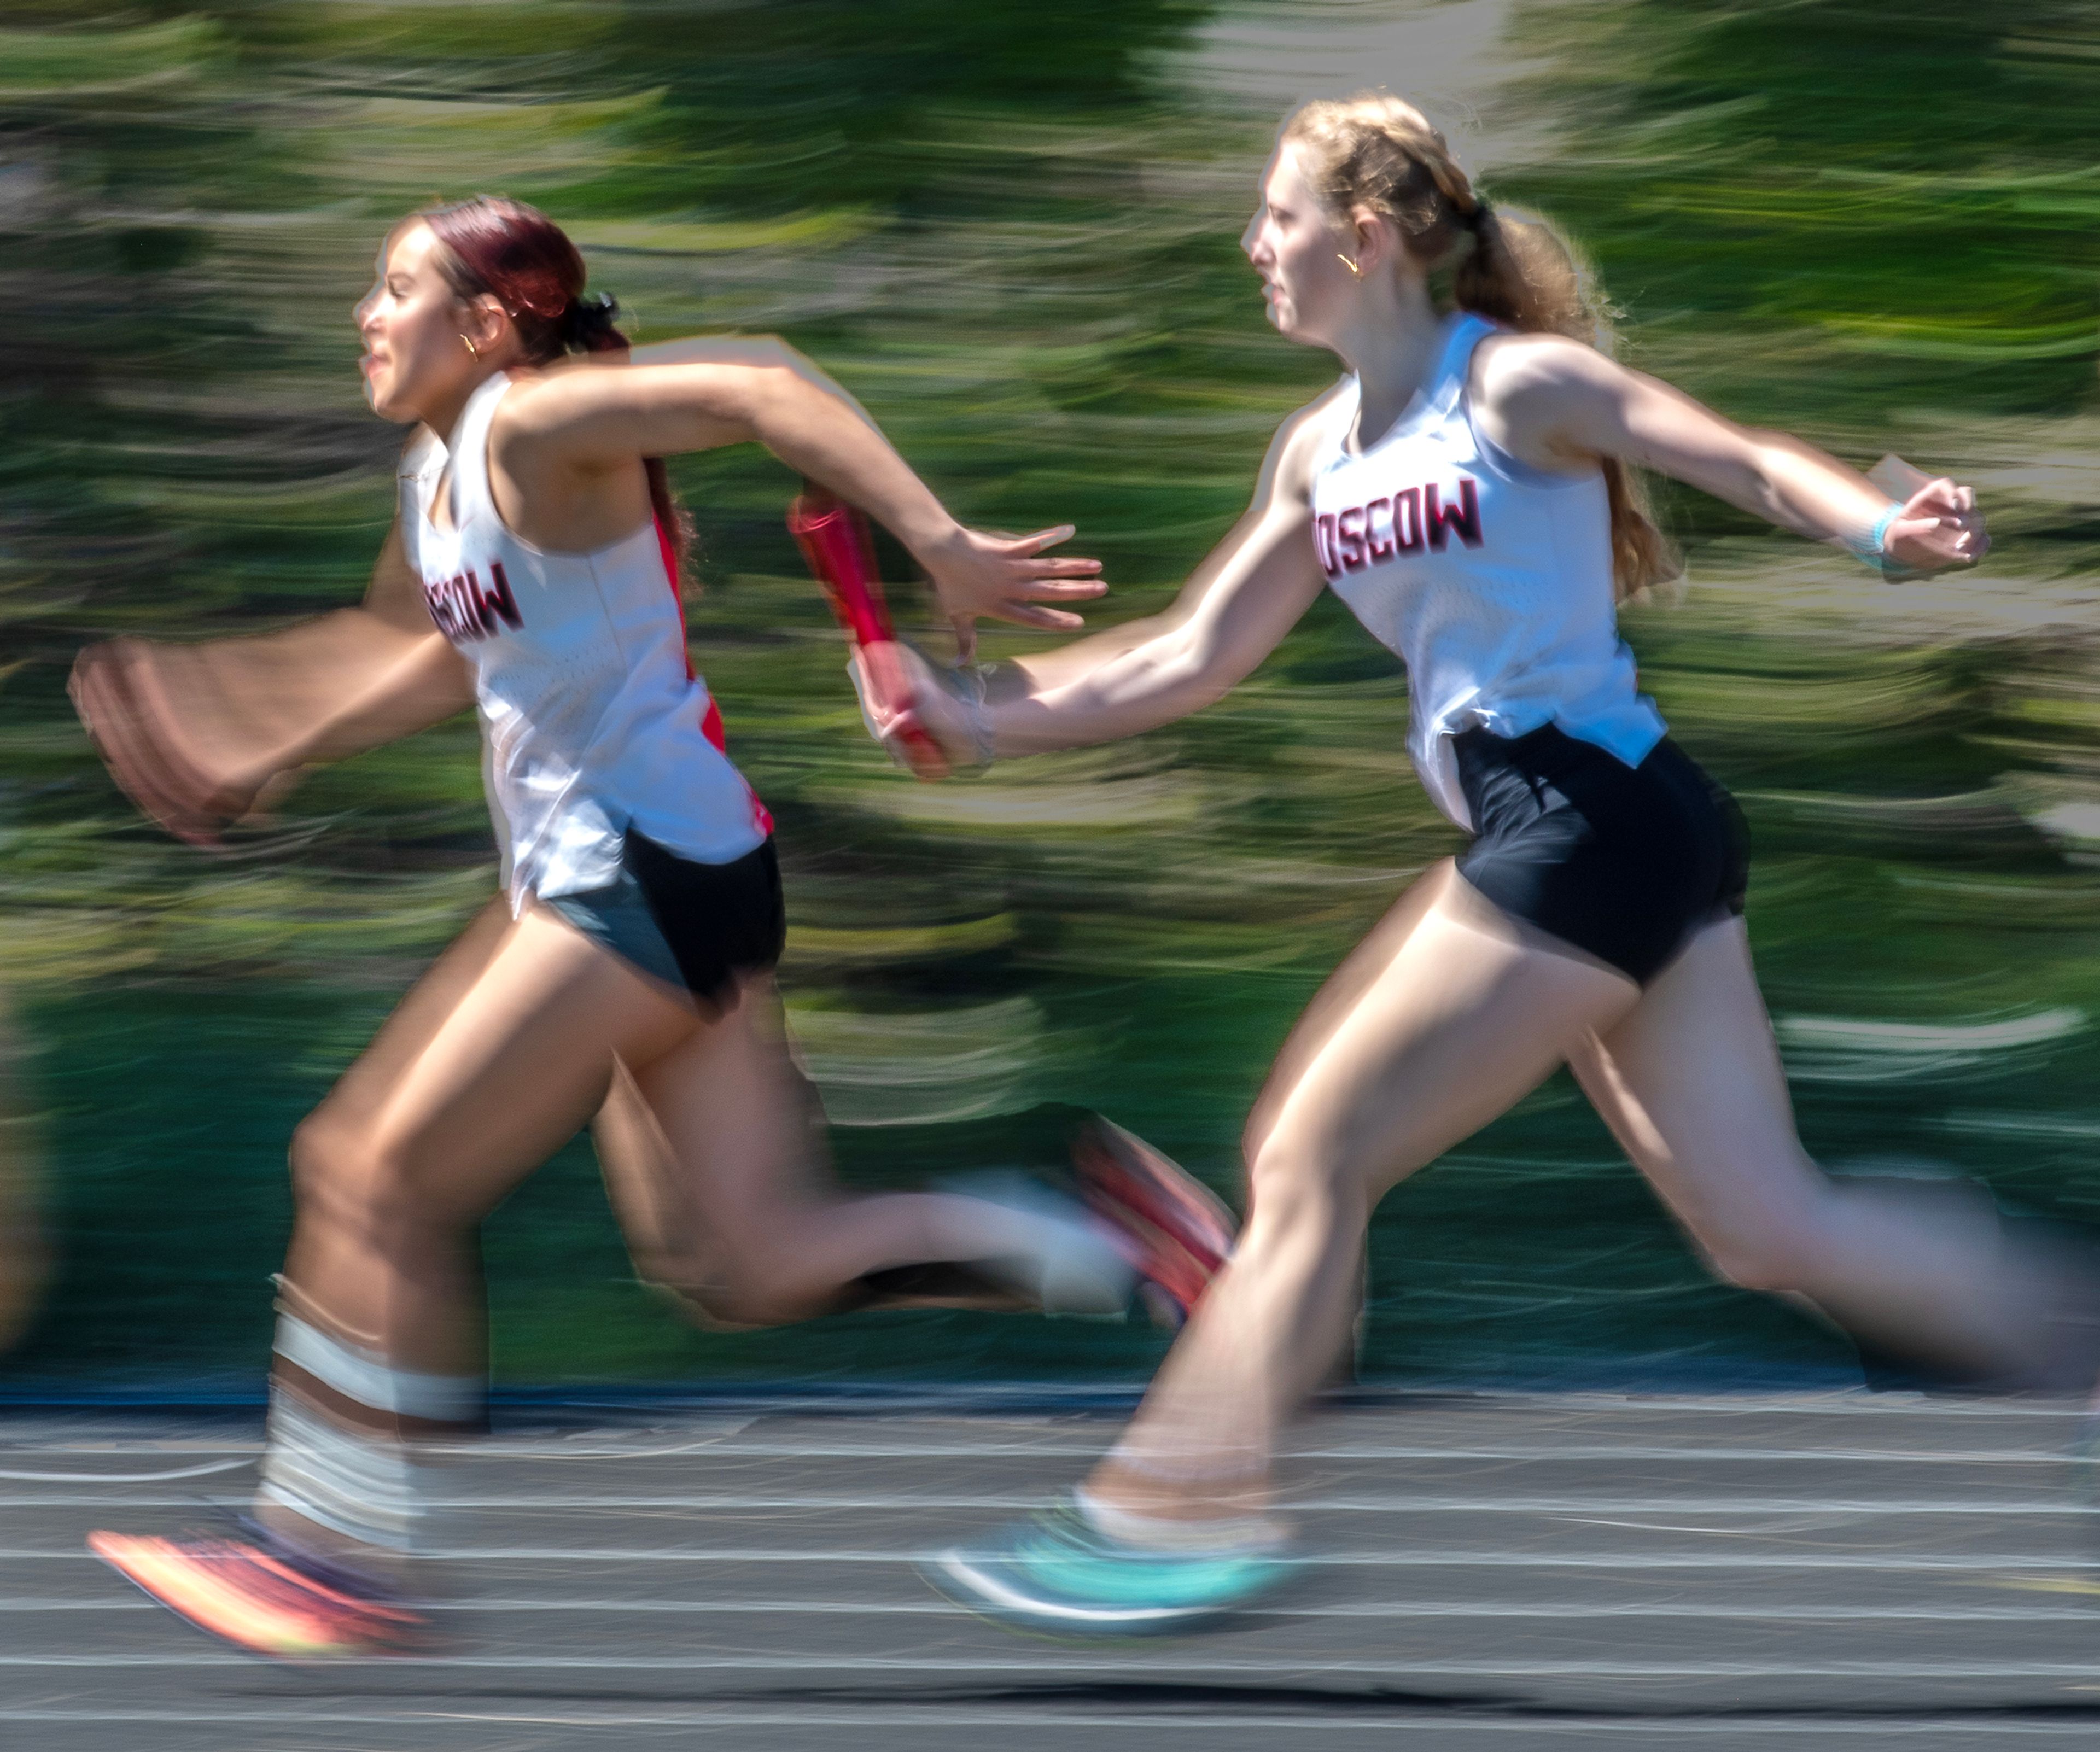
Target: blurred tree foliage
(1922, 191)
(1822, 213)
(1012, 232)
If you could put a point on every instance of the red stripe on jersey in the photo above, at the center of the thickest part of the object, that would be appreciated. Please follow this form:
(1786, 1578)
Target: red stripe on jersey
(678, 596)
(711, 721)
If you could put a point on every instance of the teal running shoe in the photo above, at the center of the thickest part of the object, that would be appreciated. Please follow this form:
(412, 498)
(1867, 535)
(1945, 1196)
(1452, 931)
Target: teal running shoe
(1056, 1572)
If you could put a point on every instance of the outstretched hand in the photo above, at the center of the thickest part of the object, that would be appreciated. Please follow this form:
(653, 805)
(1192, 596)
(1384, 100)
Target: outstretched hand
(977, 574)
(913, 700)
(139, 704)
(1938, 527)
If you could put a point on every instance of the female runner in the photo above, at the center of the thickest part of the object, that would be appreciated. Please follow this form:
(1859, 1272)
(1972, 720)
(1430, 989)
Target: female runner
(629, 957)
(1466, 489)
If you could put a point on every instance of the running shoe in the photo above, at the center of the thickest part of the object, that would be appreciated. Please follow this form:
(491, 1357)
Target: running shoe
(252, 1592)
(1180, 1232)
(1056, 1572)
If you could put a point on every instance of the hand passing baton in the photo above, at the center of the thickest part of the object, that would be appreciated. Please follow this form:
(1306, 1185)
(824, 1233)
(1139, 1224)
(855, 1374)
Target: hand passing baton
(840, 548)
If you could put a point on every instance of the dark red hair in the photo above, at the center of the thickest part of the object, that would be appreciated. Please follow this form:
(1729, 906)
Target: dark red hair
(492, 246)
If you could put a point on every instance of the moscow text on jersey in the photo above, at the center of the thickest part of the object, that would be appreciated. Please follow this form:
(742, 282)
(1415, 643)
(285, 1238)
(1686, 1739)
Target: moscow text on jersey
(1400, 523)
(463, 611)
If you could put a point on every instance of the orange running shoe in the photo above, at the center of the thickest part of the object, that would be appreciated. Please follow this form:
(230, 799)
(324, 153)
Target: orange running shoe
(263, 1601)
(1182, 1232)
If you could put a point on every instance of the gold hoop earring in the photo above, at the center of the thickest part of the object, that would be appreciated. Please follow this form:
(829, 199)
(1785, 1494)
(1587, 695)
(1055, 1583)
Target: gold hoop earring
(471, 347)
(1348, 264)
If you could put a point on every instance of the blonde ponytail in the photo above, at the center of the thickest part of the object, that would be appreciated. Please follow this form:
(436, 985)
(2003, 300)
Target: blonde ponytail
(1373, 150)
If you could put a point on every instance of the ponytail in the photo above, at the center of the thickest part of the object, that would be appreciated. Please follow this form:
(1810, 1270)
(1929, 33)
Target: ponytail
(1373, 150)
(492, 246)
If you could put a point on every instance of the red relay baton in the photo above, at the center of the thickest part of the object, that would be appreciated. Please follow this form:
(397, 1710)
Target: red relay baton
(840, 547)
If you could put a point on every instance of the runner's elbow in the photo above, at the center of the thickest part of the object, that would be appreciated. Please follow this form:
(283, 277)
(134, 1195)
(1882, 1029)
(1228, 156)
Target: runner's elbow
(1205, 670)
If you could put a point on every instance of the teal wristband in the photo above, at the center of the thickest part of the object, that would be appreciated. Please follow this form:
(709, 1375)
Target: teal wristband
(1873, 550)
(1881, 537)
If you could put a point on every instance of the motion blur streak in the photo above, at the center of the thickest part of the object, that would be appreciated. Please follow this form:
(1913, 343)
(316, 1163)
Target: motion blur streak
(1010, 231)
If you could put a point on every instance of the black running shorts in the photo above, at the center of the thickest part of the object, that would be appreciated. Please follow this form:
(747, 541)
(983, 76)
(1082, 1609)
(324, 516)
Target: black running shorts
(1625, 863)
(700, 926)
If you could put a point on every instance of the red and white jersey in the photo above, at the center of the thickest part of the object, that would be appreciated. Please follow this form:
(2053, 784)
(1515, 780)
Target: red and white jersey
(592, 718)
(1489, 579)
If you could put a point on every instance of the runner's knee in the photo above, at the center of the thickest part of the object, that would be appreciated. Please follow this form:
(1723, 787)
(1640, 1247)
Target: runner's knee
(1294, 1186)
(357, 1182)
(1768, 1242)
(758, 1292)
(714, 1305)
(1754, 1263)
(323, 1161)
(757, 1279)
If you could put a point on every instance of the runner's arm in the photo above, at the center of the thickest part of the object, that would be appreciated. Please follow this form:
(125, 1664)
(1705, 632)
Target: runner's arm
(1233, 611)
(197, 733)
(706, 394)
(343, 682)
(373, 674)
(1556, 403)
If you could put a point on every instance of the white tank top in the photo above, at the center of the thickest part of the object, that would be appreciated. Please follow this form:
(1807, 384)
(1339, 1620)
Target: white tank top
(1489, 579)
(592, 718)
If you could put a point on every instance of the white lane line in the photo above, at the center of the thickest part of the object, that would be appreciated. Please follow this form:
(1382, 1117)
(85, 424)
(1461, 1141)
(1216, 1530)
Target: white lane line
(1083, 1718)
(1559, 1612)
(1571, 1451)
(727, 1502)
(110, 1478)
(2005, 1565)
(1152, 1664)
(497, 1450)
(1545, 1405)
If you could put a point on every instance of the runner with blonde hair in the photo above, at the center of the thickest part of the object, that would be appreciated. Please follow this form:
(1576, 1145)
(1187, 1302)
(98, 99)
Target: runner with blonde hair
(1467, 489)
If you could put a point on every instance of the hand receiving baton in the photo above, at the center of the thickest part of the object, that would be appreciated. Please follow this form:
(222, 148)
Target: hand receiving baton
(840, 548)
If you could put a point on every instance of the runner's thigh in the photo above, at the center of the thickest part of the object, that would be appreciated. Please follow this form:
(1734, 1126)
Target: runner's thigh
(741, 1127)
(1339, 993)
(1467, 1016)
(515, 1066)
(415, 1020)
(1691, 1084)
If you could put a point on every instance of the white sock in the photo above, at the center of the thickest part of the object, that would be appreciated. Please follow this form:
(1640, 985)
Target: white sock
(1161, 1533)
(347, 1465)
(1048, 1247)
(366, 1488)
(368, 1378)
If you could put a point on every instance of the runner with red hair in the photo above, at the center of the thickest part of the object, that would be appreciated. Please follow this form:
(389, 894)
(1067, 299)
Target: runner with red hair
(626, 969)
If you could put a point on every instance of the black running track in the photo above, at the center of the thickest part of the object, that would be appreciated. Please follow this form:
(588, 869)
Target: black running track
(1495, 1572)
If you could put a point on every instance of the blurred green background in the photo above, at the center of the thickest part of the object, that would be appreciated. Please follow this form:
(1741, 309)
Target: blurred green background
(1012, 231)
